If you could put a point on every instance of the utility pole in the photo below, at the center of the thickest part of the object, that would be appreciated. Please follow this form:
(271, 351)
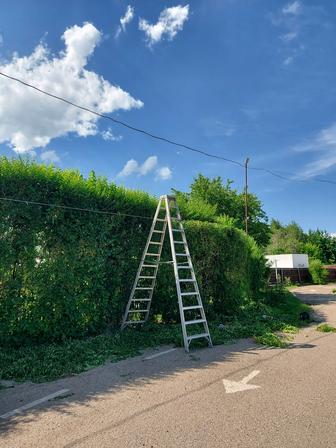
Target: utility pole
(246, 198)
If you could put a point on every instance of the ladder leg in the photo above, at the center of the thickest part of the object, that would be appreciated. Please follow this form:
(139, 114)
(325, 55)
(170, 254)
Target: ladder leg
(131, 299)
(189, 267)
(178, 286)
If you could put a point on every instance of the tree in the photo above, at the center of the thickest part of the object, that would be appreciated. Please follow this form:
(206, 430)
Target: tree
(318, 244)
(228, 204)
(326, 244)
(285, 239)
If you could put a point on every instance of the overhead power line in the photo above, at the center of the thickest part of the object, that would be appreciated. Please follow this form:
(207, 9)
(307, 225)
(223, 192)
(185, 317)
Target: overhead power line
(68, 207)
(122, 123)
(293, 178)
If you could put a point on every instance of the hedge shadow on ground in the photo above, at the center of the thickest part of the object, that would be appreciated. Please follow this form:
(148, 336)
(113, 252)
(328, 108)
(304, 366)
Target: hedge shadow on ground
(133, 374)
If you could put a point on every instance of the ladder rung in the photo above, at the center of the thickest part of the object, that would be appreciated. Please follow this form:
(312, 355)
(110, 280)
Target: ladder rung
(138, 311)
(177, 230)
(178, 242)
(152, 255)
(135, 321)
(157, 231)
(146, 276)
(196, 321)
(182, 255)
(141, 300)
(159, 219)
(186, 280)
(183, 267)
(149, 265)
(189, 293)
(144, 287)
(193, 307)
(155, 242)
(198, 336)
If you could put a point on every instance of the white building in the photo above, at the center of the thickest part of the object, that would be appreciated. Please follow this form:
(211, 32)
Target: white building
(288, 261)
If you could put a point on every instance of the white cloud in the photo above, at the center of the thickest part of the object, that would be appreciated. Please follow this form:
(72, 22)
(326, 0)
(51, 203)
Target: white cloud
(109, 136)
(130, 167)
(50, 156)
(288, 37)
(148, 166)
(323, 144)
(133, 167)
(291, 20)
(125, 20)
(171, 20)
(217, 128)
(164, 173)
(29, 119)
(288, 60)
(293, 8)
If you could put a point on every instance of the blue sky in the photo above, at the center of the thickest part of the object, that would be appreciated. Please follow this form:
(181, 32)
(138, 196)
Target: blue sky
(236, 78)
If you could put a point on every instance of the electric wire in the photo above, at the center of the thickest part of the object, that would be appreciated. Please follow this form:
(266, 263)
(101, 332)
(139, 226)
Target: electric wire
(293, 177)
(122, 123)
(68, 207)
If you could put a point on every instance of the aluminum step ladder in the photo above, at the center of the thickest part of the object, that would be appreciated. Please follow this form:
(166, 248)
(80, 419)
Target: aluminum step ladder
(193, 320)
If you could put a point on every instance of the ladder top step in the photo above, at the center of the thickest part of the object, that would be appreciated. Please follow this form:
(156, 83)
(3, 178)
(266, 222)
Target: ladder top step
(198, 336)
(193, 307)
(188, 293)
(196, 321)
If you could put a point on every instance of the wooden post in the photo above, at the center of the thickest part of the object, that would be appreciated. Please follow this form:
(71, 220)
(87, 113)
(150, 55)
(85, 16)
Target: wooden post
(246, 197)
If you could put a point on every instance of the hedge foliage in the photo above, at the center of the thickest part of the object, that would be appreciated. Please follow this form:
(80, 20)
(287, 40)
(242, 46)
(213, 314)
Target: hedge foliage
(68, 273)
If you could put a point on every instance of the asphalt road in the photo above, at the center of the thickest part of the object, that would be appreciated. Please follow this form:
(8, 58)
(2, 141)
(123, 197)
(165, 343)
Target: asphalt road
(180, 400)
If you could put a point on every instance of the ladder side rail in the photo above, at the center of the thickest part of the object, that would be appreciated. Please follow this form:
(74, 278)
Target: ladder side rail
(178, 287)
(199, 299)
(158, 208)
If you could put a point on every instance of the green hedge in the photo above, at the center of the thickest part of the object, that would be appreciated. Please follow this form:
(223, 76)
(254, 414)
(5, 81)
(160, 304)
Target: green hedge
(67, 273)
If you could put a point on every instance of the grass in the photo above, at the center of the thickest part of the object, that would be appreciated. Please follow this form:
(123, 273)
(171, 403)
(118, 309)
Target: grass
(325, 328)
(46, 362)
(271, 340)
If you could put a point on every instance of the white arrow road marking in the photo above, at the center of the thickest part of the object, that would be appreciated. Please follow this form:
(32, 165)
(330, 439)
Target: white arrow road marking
(237, 386)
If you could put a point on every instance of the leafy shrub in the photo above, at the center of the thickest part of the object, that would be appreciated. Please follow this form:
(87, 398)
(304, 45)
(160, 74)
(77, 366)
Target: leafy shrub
(271, 339)
(287, 281)
(318, 273)
(68, 273)
(325, 328)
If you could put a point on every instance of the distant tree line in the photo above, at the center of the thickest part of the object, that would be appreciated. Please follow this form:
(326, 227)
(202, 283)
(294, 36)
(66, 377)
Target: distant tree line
(291, 238)
(220, 202)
